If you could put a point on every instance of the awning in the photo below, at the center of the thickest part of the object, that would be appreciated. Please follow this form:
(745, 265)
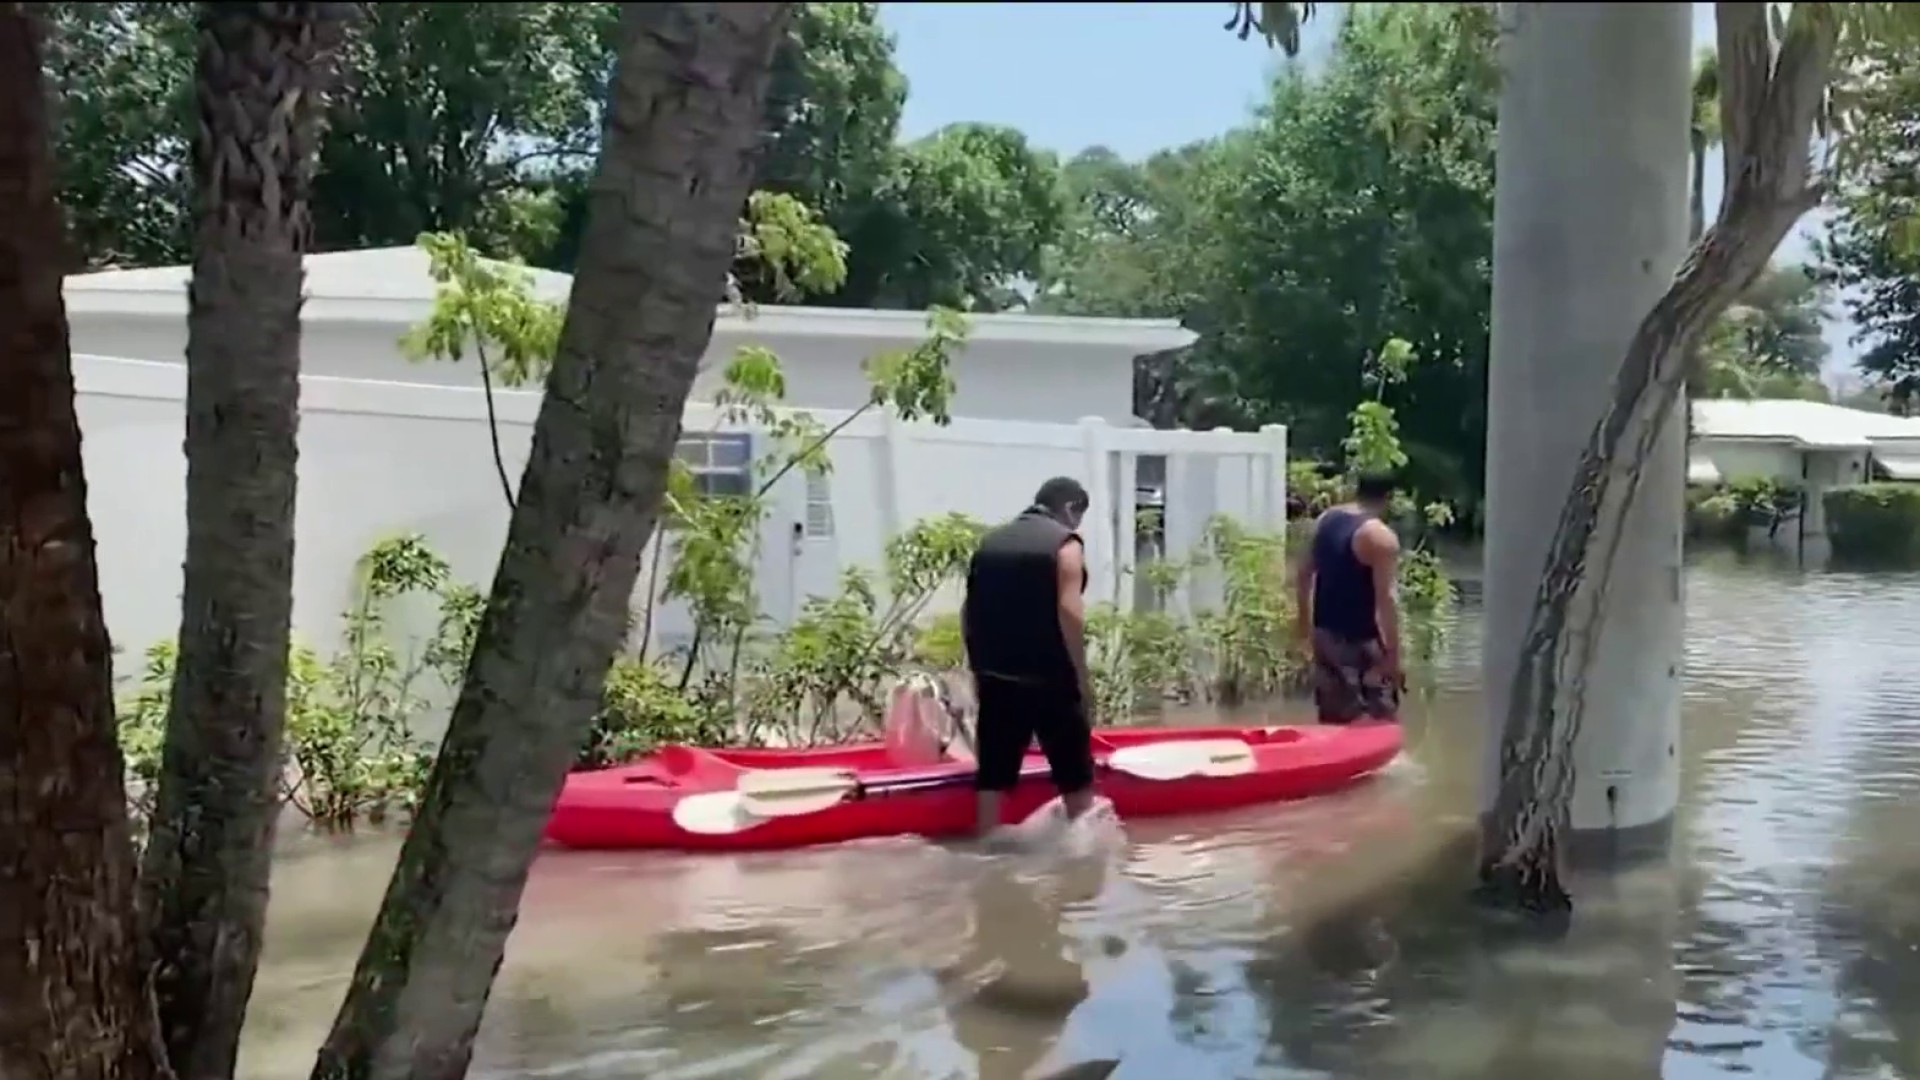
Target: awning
(1702, 471)
(1896, 466)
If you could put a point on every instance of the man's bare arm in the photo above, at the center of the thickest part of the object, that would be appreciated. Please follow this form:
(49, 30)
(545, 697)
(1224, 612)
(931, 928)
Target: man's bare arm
(1072, 564)
(1380, 550)
(1303, 587)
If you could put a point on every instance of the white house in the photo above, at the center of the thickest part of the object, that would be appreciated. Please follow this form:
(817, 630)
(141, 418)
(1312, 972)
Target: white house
(391, 446)
(1817, 445)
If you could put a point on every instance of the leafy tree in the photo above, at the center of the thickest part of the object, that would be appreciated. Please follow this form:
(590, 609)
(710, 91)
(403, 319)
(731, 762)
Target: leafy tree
(459, 115)
(1141, 241)
(964, 215)
(833, 111)
(463, 115)
(1869, 250)
(122, 77)
(1356, 207)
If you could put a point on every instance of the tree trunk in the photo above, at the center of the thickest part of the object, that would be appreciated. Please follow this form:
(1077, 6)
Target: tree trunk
(675, 167)
(263, 74)
(74, 1002)
(1579, 626)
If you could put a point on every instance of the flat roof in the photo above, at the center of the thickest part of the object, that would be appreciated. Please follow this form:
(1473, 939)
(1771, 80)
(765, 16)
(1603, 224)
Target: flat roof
(1810, 424)
(392, 286)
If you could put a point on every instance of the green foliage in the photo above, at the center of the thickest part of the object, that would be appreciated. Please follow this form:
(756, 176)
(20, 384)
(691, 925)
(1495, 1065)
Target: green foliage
(714, 539)
(353, 749)
(819, 679)
(642, 710)
(1871, 248)
(1712, 514)
(468, 116)
(1356, 208)
(1875, 523)
(1240, 649)
(1726, 512)
(1770, 343)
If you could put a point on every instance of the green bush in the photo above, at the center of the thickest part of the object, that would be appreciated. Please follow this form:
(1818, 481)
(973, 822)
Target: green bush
(1726, 512)
(1876, 523)
(352, 749)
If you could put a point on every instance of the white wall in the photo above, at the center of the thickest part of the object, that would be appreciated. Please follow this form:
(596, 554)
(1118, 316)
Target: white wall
(378, 459)
(1818, 470)
(1739, 460)
(996, 379)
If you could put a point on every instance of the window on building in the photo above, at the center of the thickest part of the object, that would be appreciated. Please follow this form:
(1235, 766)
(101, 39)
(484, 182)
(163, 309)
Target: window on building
(721, 464)
(819, 505)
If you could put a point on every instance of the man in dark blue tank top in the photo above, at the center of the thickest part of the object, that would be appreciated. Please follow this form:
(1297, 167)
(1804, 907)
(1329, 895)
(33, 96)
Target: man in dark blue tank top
(1346, 607)
(1024, 625)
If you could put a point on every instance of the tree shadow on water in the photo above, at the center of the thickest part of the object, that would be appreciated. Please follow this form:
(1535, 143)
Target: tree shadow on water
(1407, 977)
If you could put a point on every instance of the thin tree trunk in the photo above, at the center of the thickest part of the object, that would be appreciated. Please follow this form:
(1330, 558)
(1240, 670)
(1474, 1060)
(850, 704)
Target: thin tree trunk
(676, 164)
(74, 1000)
(1769, 109)
(263, 70)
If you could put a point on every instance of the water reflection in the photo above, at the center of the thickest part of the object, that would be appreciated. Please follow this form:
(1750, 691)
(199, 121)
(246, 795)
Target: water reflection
(1328, 939)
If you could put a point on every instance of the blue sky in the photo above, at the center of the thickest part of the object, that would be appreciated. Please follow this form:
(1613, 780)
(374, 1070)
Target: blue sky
(1136, 77)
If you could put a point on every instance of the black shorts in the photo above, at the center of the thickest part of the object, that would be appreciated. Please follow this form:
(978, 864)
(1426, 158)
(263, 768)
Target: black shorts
(1015, 714)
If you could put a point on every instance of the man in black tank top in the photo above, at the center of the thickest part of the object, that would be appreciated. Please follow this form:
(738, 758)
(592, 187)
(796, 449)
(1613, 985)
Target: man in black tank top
(1346, 610)
(1024, 625)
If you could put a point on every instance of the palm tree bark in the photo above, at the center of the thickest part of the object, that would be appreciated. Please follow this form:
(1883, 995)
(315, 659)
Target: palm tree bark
(263, 75)
(74, 1000)
(676, 163)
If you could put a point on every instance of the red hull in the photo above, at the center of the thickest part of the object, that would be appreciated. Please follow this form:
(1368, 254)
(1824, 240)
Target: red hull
(631, 807)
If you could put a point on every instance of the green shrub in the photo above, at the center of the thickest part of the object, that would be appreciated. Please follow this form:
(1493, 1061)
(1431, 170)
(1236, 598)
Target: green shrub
(353, 752)
(1726, 512)
(1874, 523)
(1712, 514)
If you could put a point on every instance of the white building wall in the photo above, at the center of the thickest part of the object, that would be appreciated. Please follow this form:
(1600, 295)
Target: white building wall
(379, 459)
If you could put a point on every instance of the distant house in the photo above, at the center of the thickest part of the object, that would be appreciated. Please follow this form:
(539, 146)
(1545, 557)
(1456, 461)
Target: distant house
(1811, 443)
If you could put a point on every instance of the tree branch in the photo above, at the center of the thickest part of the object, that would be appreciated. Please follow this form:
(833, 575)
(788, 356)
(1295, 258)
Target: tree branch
(1746, 63)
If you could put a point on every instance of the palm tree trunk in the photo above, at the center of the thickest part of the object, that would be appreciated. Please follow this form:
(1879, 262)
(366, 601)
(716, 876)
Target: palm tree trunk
(676, 163)
(263, 74)
(74, 1001)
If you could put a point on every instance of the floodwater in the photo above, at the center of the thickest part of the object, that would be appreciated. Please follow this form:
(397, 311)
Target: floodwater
(1327, 939)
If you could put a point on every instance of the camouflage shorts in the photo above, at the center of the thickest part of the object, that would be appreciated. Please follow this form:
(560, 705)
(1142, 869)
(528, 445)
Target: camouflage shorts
(1350, 680)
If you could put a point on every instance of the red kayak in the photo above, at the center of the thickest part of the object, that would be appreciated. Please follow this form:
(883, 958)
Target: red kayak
(634, 806)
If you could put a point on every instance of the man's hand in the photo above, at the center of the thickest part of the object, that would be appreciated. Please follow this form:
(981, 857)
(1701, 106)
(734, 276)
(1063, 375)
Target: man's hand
(1396, 674)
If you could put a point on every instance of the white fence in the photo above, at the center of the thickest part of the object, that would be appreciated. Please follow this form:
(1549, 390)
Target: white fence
(381, 458)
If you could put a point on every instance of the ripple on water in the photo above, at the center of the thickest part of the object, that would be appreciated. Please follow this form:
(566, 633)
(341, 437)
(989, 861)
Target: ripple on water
(1321, 939)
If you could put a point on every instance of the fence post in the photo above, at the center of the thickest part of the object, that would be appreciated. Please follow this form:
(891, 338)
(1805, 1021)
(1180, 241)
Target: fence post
(1097, 529)
(1126, 527)
(893, 436)
(1275, 436)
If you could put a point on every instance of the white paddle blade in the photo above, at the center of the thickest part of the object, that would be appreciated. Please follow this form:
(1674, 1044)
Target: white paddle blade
(786, 792)
(713, 813)
(1188, 757)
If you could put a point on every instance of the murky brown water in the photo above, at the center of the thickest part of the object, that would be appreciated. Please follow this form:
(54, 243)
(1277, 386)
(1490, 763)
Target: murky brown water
(1326, 939)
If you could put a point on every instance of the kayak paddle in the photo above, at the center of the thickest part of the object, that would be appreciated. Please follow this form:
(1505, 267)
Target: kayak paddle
(771, 793)
(1178, 758)
(788, 792)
